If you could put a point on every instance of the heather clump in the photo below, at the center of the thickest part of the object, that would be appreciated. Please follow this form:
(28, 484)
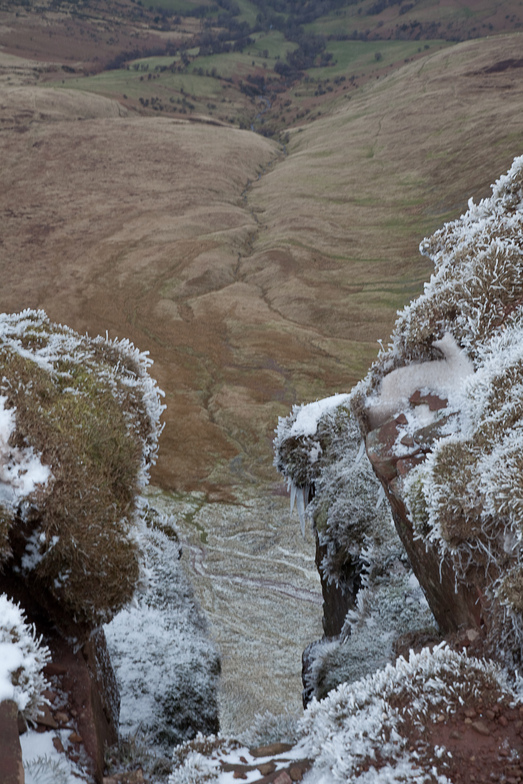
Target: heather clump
(79, 429)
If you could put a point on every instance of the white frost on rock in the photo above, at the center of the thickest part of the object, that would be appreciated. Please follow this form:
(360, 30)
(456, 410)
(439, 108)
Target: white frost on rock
(302, 424)
(165, 665)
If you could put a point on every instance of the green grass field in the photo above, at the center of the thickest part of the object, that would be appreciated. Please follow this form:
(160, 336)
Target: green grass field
(363, 57)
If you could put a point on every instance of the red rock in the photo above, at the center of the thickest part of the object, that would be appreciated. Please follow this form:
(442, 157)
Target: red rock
(466, 607)
(434, 402)
(406, 464)
(271, 750)
(266, 768)
(75, 738)
(53, 668)
(298, 769)
(283, 778)
(11, 766)
(503, 721)
(59, 746)
(45, 717)
(480, 727)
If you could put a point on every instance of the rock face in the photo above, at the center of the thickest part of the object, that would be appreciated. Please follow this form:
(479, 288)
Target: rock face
(79, 427)
(451, 463)
(11, 767)
(370, 595)
(455, 604)
(87, 679)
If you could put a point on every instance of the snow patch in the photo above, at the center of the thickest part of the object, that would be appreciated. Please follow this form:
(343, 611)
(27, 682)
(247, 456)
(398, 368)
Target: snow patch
(21, 470)
(445, 377)
(308, 415)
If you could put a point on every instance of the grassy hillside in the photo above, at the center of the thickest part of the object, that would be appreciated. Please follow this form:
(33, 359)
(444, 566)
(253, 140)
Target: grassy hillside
(258, 273)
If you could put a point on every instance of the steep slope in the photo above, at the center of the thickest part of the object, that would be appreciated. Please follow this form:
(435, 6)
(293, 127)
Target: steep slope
(249, 296)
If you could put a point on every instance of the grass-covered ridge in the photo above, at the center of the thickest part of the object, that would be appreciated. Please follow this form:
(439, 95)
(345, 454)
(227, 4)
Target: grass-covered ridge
(80, 429)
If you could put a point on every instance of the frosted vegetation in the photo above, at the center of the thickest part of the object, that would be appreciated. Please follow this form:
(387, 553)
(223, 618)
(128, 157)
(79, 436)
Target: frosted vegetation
(357, 733)
(22, 658)
(167, 670)
(79, 425)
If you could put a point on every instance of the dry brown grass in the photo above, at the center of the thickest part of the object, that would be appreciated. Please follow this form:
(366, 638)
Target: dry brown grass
(248, 303)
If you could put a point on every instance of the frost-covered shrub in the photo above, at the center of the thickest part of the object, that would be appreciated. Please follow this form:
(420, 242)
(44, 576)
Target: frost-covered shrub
(166, 667)
(197, 761)
(269, 728)
(79, 425)
(478, 278)
(22, 659)
(360, 732)
(390, 605)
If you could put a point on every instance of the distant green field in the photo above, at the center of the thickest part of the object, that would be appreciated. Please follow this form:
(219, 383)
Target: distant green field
(182, 7)
(248, 12)
(351, 57)
(136, 83)
(274, 43)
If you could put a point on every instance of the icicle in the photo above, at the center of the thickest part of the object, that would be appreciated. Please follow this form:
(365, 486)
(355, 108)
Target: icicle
(292, 488)
(381, 497)
(360, 452)
(301, 503)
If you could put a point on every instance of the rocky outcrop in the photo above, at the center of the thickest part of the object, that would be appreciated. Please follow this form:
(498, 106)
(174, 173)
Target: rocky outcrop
(441, 417)
(370, 595)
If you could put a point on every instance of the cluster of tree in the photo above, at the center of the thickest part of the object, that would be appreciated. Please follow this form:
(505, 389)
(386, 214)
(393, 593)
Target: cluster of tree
(380, 5)
(121, 58)
(300, 12)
